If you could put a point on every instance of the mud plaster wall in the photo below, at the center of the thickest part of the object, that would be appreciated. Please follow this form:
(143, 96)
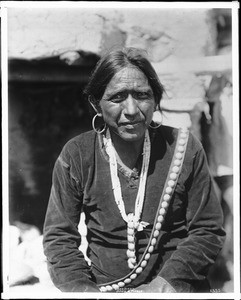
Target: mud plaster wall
(45, 32)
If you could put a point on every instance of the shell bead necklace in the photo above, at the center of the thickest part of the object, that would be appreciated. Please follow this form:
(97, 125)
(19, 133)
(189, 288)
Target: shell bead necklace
(132, 219)
(170, 184)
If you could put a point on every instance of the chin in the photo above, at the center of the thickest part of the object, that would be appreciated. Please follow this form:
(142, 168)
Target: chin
(129, 134)
(131, 137)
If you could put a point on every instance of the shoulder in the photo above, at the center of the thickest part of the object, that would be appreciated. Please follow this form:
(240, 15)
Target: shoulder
(170, 134)
(195, 156)
(80, 144)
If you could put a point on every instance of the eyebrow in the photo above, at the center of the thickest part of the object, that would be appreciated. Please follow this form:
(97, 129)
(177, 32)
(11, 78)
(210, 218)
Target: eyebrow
(123, 90)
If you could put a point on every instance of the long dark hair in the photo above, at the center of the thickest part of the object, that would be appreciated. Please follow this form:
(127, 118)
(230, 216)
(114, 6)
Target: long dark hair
(111, 63)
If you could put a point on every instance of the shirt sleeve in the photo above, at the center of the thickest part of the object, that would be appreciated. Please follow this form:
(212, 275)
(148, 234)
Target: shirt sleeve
(188, 266)
(66, 264)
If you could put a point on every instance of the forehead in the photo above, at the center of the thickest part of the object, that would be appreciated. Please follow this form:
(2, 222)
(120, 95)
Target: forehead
(129, 77)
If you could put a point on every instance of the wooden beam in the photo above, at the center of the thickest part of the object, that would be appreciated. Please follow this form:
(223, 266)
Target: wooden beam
(47, 73)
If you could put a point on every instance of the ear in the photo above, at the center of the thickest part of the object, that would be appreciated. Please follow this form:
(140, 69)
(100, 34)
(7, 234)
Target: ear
(95, 106)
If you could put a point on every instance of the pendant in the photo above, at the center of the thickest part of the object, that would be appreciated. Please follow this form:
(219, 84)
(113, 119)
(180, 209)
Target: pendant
(141, 225)
(132, 227)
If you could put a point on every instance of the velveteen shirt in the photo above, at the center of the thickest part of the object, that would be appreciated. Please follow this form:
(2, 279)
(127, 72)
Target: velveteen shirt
(190, 238)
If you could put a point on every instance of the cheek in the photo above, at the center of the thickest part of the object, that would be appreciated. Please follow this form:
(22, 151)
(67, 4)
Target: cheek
(148, 108)
(110, 112)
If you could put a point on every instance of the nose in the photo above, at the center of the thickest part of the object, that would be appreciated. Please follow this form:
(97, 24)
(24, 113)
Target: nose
(130, 106)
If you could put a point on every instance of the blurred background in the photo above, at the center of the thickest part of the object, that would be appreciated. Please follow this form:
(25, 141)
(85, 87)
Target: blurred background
(51, 53)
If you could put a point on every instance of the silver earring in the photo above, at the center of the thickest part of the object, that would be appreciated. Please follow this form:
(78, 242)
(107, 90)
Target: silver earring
(93, 124)
(155, 127)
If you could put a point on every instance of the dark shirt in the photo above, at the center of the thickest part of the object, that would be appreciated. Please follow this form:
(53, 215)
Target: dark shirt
(189, 241)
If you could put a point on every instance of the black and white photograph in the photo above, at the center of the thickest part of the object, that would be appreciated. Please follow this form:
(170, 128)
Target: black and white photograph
(120, 150)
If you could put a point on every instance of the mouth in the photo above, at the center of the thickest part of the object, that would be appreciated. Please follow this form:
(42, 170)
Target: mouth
(130, 123)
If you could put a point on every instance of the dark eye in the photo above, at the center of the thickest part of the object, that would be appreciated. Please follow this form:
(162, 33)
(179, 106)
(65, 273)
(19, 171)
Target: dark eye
(119, 97)
(141, 95)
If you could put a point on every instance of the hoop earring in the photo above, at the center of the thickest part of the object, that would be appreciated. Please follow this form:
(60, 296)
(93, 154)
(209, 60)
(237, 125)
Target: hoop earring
(155, 127)
(93, 125)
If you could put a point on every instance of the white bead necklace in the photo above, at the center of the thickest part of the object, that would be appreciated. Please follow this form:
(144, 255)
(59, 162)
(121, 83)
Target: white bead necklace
(169, 187)
(132, 219)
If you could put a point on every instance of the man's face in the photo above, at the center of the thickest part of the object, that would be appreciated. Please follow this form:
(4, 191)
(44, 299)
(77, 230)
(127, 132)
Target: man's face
(128, 104)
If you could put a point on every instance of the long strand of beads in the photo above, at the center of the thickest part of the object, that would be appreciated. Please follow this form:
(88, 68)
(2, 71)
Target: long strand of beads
(131, 242)
(170, 184)
(132, 220)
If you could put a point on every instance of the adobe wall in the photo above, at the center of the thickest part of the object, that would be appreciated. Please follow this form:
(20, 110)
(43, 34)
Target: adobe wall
(37, 32)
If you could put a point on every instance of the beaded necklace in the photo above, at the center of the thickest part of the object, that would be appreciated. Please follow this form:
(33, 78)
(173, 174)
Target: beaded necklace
(132, 219)
(169, 187)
